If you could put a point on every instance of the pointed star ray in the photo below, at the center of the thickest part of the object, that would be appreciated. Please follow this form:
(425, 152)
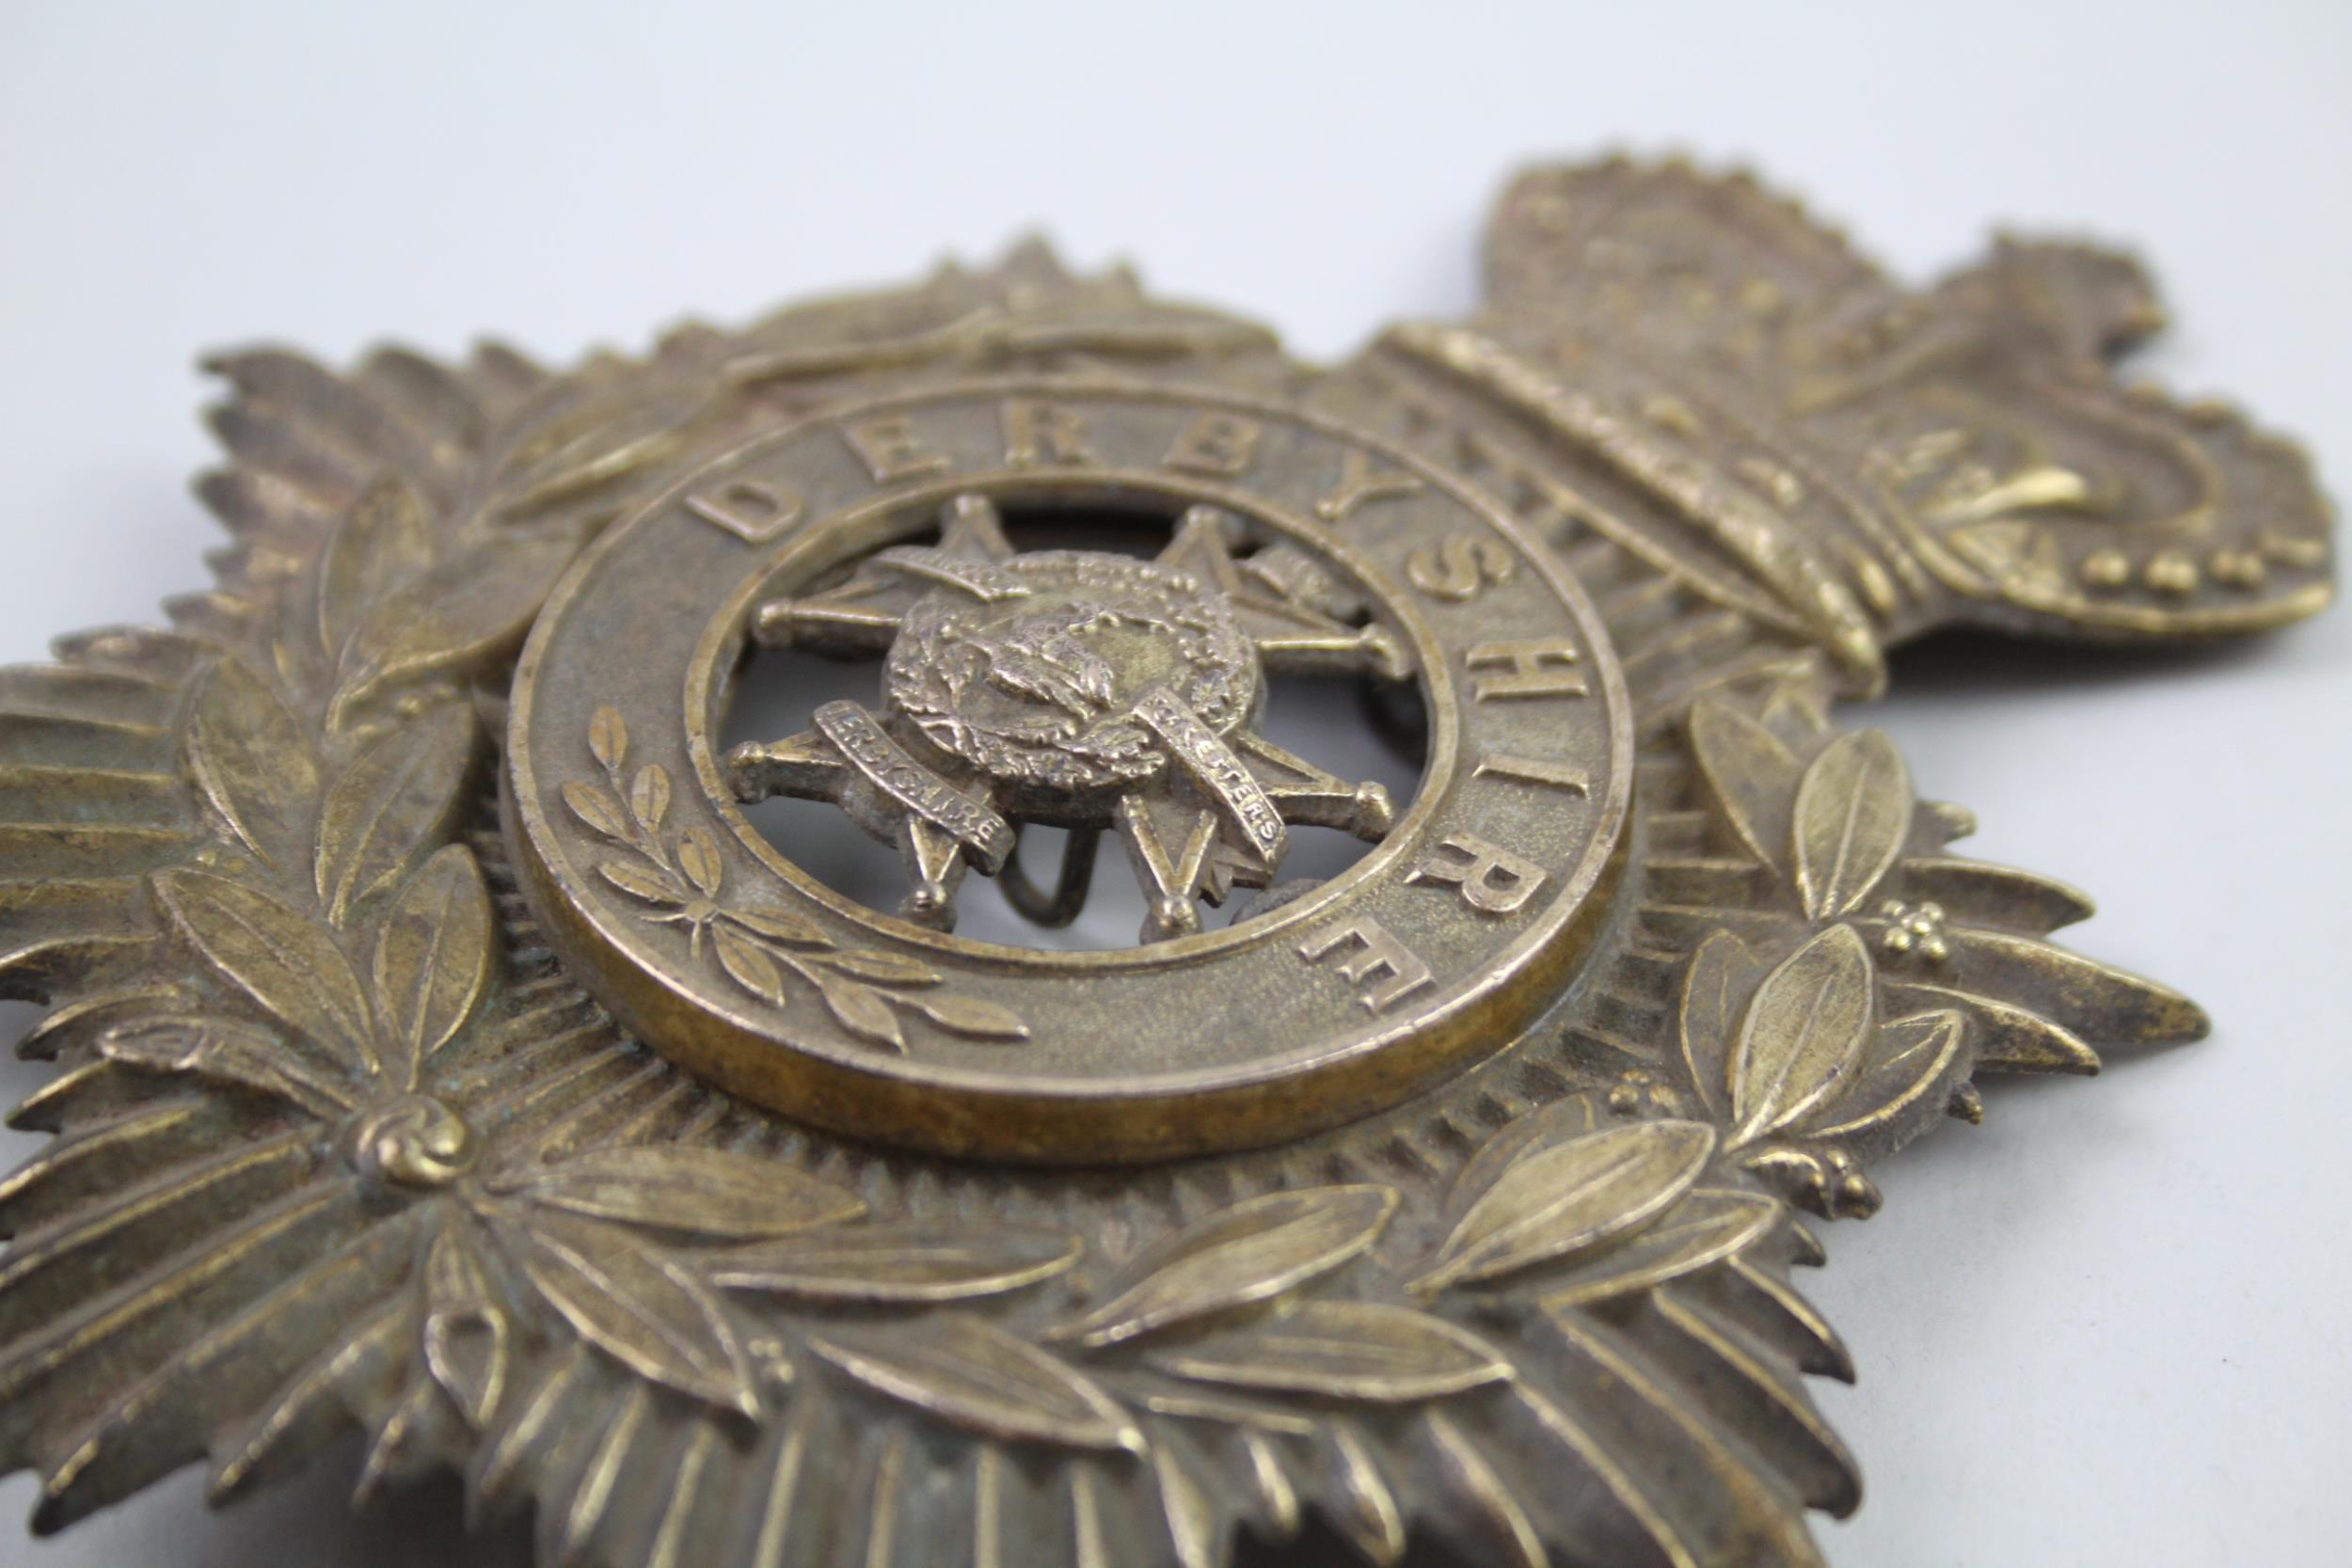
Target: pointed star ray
(1208, 814)
(1284, 603)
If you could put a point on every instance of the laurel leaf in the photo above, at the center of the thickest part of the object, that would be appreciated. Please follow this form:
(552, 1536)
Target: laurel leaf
(1707, 1226)
(432, 958)
(704, 1191)
(863, 1012)
(649, 797)
(224, 1052)
(1852, 814)
(395, 799)
(383, 541)
(746, 965)
(698, 857)
(1753, 776)
(651, 883)
(64, 1029)
(281, 959)
(876, 1263)
(464, 612)
(646, 1312)
(2006, 1039)
(888, 969)
(1914, 1060)
(974, 1019)
(1559, 1199)
(594, 806)
(608, 737)
(249, 756)
(779, 926)
(970, 1373)
(1250, 1252)
(1722, 976)
(467, 1332)
(1342, 1351)
(1805, 1032)
(1558, 1122)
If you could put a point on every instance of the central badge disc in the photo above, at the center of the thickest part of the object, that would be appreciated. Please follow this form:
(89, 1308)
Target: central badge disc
(1085, 690)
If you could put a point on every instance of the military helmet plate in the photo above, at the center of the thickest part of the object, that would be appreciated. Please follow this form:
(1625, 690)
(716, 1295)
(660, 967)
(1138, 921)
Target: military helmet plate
(460, 1035)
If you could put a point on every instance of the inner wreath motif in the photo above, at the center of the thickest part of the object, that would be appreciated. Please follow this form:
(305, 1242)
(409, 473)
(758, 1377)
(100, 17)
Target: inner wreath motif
(1079, 689)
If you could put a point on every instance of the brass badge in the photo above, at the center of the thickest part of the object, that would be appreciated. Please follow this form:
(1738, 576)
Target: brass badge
(450, 1043)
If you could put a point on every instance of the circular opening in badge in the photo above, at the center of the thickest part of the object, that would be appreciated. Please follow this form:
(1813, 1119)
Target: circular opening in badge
(1132, 721)
(1205, 663)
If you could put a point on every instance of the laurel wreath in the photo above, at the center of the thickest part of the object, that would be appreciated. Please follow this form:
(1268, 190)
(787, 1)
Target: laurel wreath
(681, 877)
(367, 950)
(483, 1217)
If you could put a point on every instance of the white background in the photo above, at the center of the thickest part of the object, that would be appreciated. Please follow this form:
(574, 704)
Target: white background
(2107, 1328)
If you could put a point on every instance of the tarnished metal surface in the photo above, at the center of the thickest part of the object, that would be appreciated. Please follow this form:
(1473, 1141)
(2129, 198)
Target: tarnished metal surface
(445, 1049)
